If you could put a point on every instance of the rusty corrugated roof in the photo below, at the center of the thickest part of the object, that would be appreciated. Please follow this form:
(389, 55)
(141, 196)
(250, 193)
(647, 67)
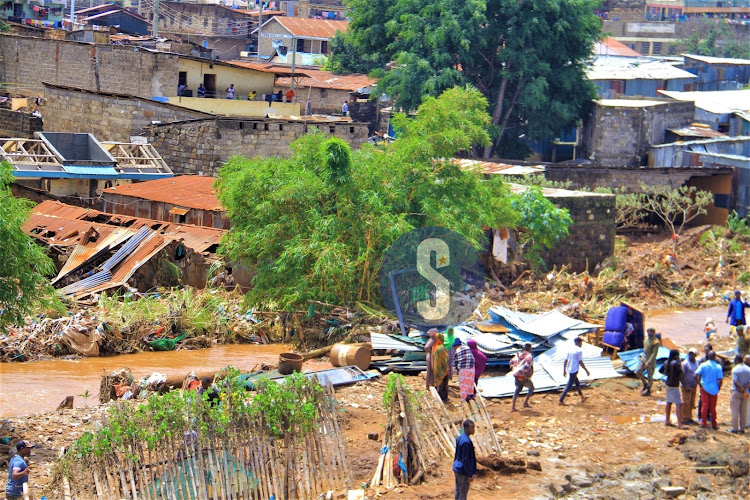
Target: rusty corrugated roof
(611, 47)
(311, 28)
(491, 167)
(69, 225)
(266, 68)
(191, 191)
(92, 244)
(320, 79)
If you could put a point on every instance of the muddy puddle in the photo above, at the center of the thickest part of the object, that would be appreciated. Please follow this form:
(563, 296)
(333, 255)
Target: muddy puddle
(685, 326)
(41, 385)
(633, 419)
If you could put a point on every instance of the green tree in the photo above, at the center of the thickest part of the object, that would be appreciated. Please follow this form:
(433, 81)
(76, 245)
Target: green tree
(23, 264)
(676, 207)
(542, 224)
(711, 38)
(527, 57)
(318, 223)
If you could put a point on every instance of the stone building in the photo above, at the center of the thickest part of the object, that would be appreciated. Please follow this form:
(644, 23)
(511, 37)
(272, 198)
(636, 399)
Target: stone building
(326, 91)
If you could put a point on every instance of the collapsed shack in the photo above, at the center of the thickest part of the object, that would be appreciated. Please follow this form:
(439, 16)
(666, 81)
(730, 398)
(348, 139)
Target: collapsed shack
(96, 251)
(182, 446)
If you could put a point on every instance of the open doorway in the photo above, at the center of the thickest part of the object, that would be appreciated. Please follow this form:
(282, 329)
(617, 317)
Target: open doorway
(209, 82)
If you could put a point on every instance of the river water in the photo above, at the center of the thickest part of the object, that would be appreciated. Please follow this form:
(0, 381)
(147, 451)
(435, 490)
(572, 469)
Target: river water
(41, 385)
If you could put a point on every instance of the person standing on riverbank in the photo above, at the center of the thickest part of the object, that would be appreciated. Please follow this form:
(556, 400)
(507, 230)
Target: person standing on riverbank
(572, 363)
(689, 386)
(743, 340)
(674, 376)
(429, 376)
(739, 401)
(464, 461)
(736, 311)
(522, 368)
(711, 377)
(441, 366)
(18, 471)
(464, 363)
(648, 361)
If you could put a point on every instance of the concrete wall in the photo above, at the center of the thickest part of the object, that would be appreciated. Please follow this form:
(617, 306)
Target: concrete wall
(29, 61)
(227, 107)
(629, 179)
(322, 101)
(18, 124)
(620, 135)
(592, 234)
(202, 146)
(109, 117)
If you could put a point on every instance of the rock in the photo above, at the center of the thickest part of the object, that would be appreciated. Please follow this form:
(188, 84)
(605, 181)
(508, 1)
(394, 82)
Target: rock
(533, 453)
(738, 467)
(648, 497)
(534, 465)
(672, 491)
(645, 469)
(662, 482)
(556, 489)
(582, 482)
(701, 483)
(373, 435)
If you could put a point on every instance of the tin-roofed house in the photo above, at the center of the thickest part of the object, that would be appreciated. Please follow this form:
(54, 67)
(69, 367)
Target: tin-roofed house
(77, 165)
(617, 76)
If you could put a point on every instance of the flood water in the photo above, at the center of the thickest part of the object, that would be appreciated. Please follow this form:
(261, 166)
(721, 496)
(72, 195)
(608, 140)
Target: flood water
(41, 385)
(685, 326)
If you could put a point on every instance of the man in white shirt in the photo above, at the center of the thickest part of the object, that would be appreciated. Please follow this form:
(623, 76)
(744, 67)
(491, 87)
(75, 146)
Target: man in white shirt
(571, 365)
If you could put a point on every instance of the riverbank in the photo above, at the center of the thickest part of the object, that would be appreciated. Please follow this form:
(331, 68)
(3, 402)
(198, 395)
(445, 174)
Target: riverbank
(614, 445)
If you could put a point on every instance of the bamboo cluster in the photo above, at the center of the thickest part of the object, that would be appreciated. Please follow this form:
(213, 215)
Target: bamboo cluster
(243, 462)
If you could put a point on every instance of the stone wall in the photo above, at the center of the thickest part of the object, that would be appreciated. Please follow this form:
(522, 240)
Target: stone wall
(18, 124)
(202, 146)
(592, 234)
(29, 61)
(620, 132)
(630, 179)
(109, 117)
(322, 101)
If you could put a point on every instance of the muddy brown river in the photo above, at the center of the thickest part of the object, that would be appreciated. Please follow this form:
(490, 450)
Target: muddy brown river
(41, 385)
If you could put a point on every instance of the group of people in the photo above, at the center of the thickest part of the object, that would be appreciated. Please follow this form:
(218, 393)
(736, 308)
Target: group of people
(446, 356)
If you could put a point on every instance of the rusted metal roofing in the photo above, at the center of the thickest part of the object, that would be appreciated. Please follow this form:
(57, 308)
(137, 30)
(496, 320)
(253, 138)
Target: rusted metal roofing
(611, 47)
(57, 223)
(697, 131)
(92, 244)
(492, 168)
(310, 28)
(267, 68)
(191, 191)
(320, 79)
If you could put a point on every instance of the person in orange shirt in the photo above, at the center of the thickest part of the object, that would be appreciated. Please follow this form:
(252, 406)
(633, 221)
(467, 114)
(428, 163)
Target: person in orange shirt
(289, 95)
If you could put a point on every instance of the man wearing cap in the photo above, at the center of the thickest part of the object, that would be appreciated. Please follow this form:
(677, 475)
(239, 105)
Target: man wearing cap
(18, 471)
(571, 365)
(648, 361)
(689, 386)
(736, 311)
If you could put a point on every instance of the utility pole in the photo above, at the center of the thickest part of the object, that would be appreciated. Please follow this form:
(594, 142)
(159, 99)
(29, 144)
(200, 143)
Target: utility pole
(294, 58)
(155, 23)
(72, 11)
(260, 23)
(139, 8)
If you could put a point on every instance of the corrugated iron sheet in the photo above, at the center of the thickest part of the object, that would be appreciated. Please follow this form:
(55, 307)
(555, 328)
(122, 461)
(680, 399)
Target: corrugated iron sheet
(311, 28)
(92, 248)
(192, 191)
(381, 341)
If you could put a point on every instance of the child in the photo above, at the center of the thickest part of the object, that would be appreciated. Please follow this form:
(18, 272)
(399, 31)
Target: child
(710, 328)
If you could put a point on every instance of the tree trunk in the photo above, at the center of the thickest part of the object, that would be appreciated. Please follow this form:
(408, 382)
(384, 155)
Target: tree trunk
(497, 113)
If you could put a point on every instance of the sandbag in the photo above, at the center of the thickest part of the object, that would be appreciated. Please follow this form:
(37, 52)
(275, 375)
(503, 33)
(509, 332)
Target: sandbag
(616, 319)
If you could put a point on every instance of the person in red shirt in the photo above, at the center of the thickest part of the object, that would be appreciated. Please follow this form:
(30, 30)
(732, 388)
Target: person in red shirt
(290, 95)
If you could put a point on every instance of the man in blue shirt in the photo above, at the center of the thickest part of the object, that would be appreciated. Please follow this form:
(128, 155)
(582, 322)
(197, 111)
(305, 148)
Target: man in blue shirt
(710, 376)
(18, 471)
(736, 311)
(464, 463)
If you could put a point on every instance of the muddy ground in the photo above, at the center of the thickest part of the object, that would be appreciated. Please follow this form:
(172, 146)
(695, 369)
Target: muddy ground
(597, 449)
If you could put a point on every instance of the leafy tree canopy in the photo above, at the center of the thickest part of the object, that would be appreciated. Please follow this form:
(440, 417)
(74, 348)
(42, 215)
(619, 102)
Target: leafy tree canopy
(527, 57)
(315, 226)
(709, 37)
(23, 264)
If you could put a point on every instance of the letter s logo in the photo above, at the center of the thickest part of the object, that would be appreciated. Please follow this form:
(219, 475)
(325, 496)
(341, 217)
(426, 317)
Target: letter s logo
(442, 285)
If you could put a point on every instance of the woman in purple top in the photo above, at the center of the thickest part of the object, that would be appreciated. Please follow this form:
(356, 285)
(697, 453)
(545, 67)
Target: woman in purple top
(480, 359)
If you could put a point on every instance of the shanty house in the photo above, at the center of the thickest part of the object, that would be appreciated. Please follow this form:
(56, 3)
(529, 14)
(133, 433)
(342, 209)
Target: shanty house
(725, 111)
(115, 16)
(616, 76)
(77, 165)
(286, 34)
(717, 73)
(326, 91)
(185, 199)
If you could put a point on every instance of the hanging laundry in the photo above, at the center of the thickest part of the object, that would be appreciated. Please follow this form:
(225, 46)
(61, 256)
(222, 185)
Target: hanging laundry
(500, 245)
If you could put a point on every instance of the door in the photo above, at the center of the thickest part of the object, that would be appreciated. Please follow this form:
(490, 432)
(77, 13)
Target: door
(209, 81)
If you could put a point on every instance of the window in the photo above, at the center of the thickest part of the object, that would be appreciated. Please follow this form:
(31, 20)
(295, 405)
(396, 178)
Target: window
(182, 78)
(205, 23)
(645, 48)
(351, 130)
(324, 47)
(631, 46)
(656, 48)
(300, 45)
(281, 127)
(323, 93)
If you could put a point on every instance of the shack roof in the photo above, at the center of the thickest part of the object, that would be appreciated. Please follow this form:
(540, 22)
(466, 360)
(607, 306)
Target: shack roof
(191, 191)
(611, 47)
(696, 131)
(718, 60)
(309, 28)
(720, 102)
(268, 68)
(320, 79)
(494, 168)
(61, 224)
(634, 68)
